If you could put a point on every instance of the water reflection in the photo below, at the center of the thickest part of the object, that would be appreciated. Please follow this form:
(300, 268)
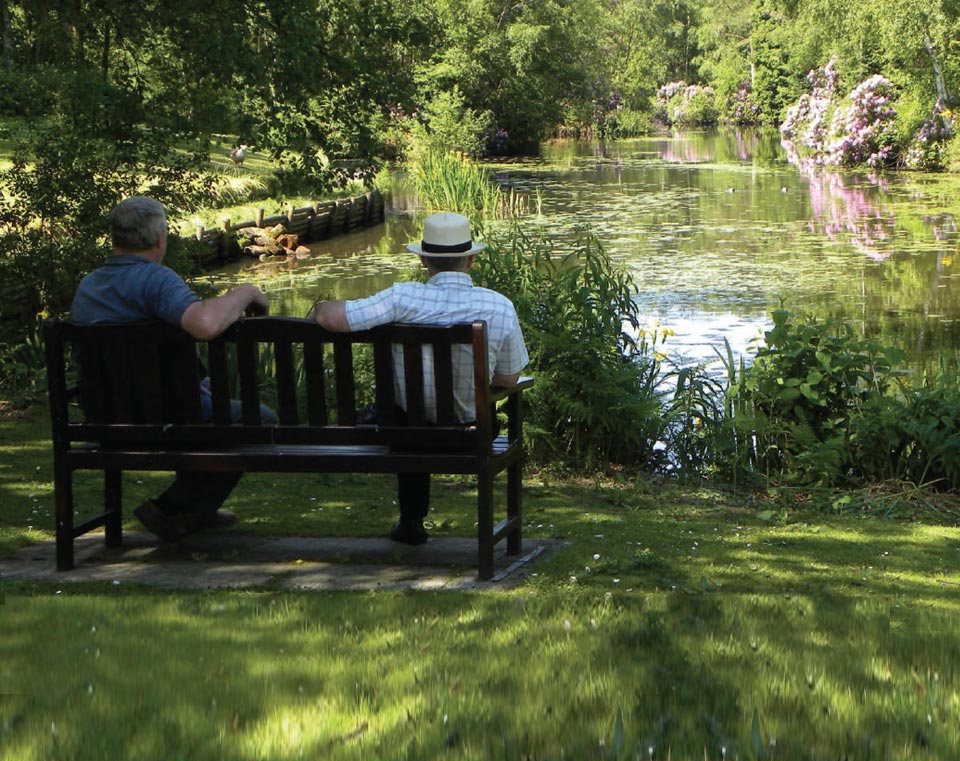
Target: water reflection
(717, 228)
(851, 209)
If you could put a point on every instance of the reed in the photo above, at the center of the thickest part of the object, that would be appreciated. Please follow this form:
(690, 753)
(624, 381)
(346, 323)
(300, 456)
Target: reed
(448, 181)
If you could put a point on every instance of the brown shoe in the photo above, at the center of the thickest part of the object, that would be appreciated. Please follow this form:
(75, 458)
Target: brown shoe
(170, 528)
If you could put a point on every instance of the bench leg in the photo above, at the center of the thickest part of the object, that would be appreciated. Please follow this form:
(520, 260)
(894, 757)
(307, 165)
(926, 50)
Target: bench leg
(112, 503)
(514, 512)
(63, 510)
(485, 524)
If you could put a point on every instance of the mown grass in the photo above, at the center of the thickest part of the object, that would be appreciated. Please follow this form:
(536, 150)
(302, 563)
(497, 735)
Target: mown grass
(711, 625)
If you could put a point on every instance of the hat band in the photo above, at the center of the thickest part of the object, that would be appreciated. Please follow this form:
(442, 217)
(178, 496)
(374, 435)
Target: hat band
(439, 248)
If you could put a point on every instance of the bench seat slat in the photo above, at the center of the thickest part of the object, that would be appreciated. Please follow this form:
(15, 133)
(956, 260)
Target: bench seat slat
(289, 459)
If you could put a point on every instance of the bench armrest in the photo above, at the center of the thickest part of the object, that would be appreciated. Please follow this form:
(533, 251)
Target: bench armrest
(499, 393)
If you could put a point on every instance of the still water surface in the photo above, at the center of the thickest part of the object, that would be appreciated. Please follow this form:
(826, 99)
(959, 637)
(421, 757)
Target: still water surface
(716, 228)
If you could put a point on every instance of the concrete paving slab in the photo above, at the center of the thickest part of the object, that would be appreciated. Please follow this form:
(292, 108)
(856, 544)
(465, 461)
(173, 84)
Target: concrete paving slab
(233, 560)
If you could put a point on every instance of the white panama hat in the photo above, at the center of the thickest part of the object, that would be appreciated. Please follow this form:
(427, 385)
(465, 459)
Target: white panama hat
(446, 234)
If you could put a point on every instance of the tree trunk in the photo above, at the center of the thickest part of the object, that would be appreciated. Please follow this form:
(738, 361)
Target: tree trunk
(105, 54)
(76, 34)
(7, 46)
(942, 91)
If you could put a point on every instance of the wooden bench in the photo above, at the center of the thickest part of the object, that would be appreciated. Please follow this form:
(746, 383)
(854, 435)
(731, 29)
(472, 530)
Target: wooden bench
(138, 389)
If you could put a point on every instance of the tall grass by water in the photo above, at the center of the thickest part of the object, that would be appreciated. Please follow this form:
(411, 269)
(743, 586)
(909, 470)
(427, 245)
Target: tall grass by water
(447, 181)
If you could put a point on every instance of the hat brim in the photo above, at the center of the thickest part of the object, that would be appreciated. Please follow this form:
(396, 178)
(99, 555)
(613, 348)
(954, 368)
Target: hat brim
(417, 248)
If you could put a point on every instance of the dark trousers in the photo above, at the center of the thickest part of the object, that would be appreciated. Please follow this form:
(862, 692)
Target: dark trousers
(200, 493)
(197, 493)
(413, 489)
(413, 496)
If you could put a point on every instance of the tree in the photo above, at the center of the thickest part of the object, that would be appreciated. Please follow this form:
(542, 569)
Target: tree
(521, 61)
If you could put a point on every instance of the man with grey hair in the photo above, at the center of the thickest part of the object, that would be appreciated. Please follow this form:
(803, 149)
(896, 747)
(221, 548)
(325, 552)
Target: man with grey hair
(134, 285)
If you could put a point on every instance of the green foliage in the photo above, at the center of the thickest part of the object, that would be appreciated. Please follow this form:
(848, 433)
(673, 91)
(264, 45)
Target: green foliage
(692, 416)
(52, 216)
(914, 438)
(447, 124)
(28, 93)
(23, 366)
(629, 122)
(596, 400)
(772, 80)
(687, 105)
(808, 382)
(520, 62)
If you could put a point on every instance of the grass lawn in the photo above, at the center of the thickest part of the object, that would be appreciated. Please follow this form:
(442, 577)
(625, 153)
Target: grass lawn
(680, 624)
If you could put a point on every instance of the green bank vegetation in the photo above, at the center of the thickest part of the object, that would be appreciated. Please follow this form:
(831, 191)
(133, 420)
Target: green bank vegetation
(785, 618)
(676, 624)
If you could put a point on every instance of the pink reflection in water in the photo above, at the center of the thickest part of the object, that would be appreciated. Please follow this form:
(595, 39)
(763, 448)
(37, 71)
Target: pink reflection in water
(681, 149)
(845, 209)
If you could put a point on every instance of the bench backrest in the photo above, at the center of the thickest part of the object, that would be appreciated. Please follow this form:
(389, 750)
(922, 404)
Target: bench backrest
(140, 383)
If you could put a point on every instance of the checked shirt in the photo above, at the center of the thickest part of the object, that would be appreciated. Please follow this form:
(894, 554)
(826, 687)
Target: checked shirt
(448, 297)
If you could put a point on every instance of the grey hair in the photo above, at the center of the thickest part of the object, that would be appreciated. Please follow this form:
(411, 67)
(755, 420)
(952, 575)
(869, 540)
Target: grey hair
(136, 223)
(446, 263)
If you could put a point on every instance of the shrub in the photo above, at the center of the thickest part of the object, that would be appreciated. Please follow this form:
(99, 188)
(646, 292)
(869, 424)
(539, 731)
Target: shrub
(447, 124)
(596, 400)
(628, 122)
(742, 107)
(860, 129)
(864, 129)
(30, 93)
(914, 437)
(927, 149)
(808, 381)
(680, 103)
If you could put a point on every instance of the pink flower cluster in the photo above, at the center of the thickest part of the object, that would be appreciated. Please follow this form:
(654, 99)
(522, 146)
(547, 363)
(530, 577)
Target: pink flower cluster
(860, 129)
(926, 149)
(742, 108)
(681, 103)
(666, 93)
(864, 130)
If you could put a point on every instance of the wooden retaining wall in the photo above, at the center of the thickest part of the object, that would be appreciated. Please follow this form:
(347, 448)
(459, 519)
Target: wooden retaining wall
(323, 220)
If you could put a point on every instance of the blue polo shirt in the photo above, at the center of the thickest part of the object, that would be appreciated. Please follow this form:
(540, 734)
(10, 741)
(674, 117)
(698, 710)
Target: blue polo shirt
(129, 288)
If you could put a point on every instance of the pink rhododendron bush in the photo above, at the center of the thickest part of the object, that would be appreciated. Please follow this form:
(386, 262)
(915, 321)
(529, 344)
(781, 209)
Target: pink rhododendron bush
(926, 150)
(858, 129)
(683, 104)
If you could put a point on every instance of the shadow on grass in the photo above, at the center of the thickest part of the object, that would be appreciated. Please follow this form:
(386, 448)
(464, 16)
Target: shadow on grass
(706, 628)
(127, 674)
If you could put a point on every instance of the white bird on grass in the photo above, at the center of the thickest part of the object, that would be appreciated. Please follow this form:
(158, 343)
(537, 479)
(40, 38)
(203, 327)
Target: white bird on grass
(238, 154)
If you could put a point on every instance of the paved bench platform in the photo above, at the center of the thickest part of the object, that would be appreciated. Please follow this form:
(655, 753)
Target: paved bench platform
(233, 560)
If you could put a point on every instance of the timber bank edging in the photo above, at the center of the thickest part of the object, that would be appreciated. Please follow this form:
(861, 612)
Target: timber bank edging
(319, 221)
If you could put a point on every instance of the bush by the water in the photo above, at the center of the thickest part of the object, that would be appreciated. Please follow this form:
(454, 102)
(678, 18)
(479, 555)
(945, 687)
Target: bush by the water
(596, 399)
(814, 404)
(688, 105)
(861, 128)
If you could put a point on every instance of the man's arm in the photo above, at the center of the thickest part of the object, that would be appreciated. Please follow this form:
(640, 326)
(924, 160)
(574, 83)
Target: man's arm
(332, 315)
(505, 381)
(208, 319)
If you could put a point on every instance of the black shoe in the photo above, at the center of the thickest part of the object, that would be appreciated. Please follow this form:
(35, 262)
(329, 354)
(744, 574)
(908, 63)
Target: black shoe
(206, 521)
(169, 528)
(409, 532)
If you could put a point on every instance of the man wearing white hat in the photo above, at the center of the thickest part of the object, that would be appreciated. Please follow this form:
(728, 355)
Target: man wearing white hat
(446, 250)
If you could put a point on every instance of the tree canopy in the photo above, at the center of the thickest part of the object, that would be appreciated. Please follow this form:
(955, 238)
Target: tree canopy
(322, 78)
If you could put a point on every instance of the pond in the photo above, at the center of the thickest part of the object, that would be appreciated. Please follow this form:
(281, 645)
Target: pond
(718, 229)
